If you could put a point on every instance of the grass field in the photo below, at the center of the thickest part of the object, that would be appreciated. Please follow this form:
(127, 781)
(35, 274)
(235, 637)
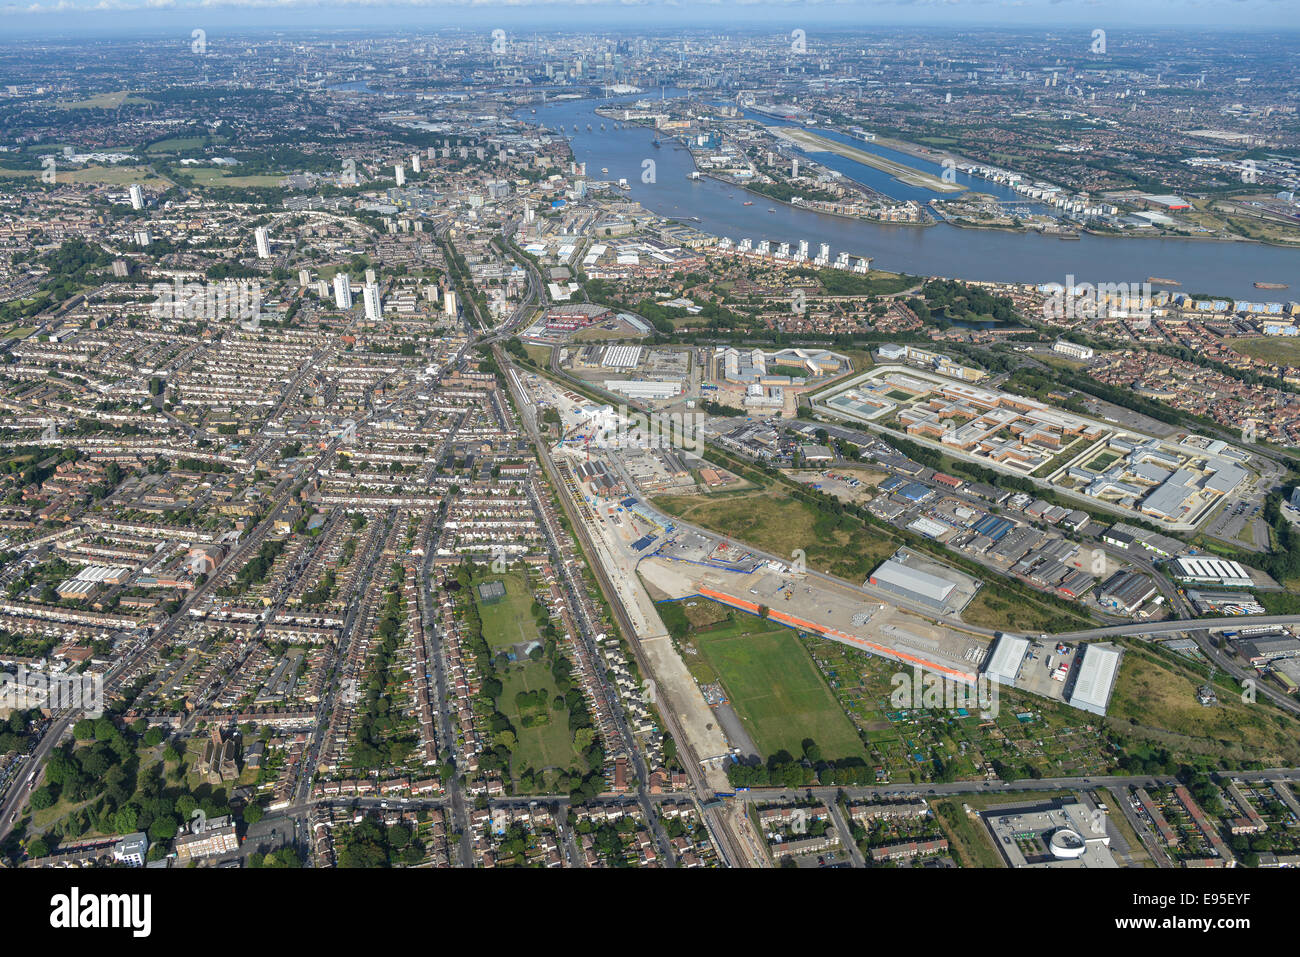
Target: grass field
(968, 839)
(108, 175)
(177, 144)
(773, 521)
(776, 689)
(510, 620)
(1271, 349)
(547, 745)
(539, 354)
(102, 101)
(1159, 697)
(990, 611)
(216, 176)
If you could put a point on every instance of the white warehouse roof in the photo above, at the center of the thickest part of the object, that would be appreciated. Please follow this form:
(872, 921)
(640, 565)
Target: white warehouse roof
(1211, 569)
(1004, 663)
(898, 575)
(1097, 674)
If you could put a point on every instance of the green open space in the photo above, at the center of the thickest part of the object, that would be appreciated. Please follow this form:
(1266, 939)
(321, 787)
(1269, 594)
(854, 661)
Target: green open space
(543, 736)
(775, 688)
(103, 101)
(771, 520)
(1283, 351)
(1155, 700)
(509, 620)
(219, 176)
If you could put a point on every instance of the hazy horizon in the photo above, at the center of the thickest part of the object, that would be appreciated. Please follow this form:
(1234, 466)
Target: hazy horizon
(54, 18)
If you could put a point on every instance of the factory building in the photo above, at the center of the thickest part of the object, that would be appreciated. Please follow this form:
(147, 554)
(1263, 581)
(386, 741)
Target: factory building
(1003, 665)
(644, 388)
(1093, 678)
(913, 584)
(1126, 591)
(1260, 651)
(1212, 571)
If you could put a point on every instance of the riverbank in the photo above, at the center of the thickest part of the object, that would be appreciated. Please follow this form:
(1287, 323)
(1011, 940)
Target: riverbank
(810, 209)
(992, 255)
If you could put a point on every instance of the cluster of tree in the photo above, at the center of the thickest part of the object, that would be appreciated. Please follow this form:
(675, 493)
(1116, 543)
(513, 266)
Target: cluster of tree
(953, 300)
(516, 349)
(784, 770)
(607, 838)
(15, 731)
(784, 192)
(200, 465)
(102, 767)
(380, 742)
(371, 844)
(284, 857)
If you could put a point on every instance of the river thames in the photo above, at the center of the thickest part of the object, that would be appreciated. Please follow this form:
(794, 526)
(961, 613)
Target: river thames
(1227, 269)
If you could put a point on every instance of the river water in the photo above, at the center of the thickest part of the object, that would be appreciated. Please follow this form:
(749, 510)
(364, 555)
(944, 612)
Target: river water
(1224, 269)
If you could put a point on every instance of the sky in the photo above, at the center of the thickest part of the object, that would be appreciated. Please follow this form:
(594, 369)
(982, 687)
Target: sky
(142, 17)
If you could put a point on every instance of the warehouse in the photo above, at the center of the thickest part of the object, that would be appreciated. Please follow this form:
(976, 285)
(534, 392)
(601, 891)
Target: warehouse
(1004, 663)
(1126, 591)
(644, 388)
(1260, 651)
(1094, 678)
(918, 586)
(1076, 584)
(621, 357)
(929, 527)
(1212, 571)
(993, 527)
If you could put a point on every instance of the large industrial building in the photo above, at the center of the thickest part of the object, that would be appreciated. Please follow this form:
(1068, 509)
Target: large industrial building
(1093, 678)
(1126, 591)
(576, 315)
(644, 388)
(1003, 664)
(911, 583)
(1268, 648)
(1212, 571)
